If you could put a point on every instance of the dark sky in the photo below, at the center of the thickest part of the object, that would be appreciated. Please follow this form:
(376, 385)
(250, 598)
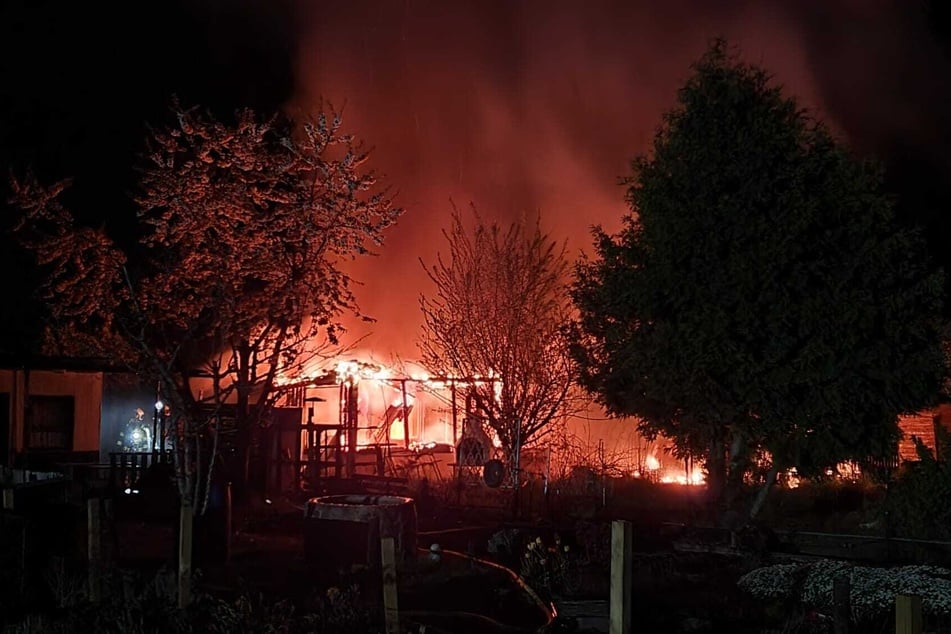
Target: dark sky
(515, 106)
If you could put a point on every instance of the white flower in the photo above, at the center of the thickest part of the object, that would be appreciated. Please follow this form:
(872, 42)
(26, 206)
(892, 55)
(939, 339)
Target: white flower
(873, 590)
(771, 582)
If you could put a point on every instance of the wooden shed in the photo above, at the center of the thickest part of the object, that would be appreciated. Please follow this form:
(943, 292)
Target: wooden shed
(923, 425)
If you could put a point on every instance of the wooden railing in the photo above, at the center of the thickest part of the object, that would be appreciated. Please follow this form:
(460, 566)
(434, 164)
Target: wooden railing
(126, 468)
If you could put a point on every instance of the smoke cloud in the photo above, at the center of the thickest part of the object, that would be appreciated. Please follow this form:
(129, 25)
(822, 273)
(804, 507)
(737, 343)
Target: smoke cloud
(518, 108)
(515, 106)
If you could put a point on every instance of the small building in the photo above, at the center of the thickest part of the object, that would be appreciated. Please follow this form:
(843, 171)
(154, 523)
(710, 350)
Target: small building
(58, 411)
(50, 412)
(924, 426)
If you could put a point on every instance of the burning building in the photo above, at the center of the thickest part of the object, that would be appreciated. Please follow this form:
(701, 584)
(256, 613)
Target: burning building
(362, 419)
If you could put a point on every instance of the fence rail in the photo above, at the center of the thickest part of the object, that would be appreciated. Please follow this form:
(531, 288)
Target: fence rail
(126, 468)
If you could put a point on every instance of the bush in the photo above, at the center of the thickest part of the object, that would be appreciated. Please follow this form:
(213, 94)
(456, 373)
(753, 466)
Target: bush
(550, 569)
(919, 501)
(873, 589)
(830, 504)
(138, 605)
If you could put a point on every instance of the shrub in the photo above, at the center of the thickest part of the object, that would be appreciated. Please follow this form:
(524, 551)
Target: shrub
(550, 568)
(873, 590)
(138, 605)
(919, 501)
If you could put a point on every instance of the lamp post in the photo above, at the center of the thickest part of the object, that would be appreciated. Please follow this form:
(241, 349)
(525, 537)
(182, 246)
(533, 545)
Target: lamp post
(163, 418)
(159, 407)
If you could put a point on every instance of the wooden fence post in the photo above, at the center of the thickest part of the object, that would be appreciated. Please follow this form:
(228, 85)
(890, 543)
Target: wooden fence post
(841, 604)
(390, 606)
(185, 526)
(908, 614)
(94, 547)
(622, 571)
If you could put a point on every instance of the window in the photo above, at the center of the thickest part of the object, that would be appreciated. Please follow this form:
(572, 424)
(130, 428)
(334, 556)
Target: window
(50, 423)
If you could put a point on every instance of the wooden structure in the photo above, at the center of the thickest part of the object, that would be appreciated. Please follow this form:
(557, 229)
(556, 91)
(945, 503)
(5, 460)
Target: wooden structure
(282, 450)
(49, 412)
(926, 426)
(360, 422)
(390, 598)
(841, 604)
(333, 449)
(127, 468)
(622, 574)
(325, 449)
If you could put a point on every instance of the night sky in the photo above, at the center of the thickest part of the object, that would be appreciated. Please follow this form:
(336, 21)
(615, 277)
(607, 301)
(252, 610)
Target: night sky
(514, 106)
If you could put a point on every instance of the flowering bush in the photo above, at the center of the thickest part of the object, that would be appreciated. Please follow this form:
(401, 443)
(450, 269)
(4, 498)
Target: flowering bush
(550, 568)
(772, 582)
(917, 502)
(343, 610)
(873, 590)
(816, 590)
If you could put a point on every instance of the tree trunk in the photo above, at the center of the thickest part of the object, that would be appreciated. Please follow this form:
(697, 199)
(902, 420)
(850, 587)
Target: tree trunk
(240, 469)
(760, 498)
(517, 472)
(735, 472)
(716, 474)
(243, 424)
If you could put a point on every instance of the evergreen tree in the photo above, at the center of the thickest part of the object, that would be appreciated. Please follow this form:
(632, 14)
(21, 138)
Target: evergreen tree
(760, 305)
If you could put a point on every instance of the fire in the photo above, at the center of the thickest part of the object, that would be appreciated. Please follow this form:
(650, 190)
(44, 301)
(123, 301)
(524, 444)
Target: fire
(667, 475)
(379, 399)
(792, 479)
(354, 371)
(398, 402)
(694, 478)
(396, 430)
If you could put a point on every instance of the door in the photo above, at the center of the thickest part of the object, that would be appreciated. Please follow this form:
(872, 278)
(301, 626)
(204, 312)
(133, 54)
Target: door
(5, 430)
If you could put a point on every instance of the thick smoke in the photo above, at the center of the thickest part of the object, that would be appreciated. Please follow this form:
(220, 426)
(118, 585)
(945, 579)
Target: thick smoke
(883, 70)
(515, 107)
(539, 105)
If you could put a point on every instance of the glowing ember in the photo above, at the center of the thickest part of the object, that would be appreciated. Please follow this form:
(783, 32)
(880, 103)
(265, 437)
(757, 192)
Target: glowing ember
(652, 463)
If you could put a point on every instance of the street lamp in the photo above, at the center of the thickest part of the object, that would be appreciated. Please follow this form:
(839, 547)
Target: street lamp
(159, 406)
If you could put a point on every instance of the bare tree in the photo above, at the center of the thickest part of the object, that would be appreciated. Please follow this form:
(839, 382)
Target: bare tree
(498, 314)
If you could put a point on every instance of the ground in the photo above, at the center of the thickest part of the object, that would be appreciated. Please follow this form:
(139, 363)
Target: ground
(673, 591)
